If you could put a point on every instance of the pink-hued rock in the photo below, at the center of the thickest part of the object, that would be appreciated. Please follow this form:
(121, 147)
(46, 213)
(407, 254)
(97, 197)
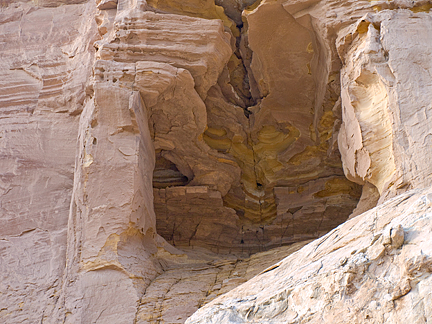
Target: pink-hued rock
(46, 60)
(143, 142)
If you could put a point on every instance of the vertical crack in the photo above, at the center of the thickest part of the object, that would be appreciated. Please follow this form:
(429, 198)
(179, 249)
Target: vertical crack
(195, 231)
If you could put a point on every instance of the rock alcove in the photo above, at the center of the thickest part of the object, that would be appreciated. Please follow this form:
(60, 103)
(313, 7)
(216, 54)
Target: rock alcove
(271, 173)
(152, 148)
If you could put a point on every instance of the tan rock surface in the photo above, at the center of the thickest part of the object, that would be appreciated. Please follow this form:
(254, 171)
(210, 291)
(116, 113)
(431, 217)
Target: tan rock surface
(280, 155)
(385, 90)
(195, 277)
(358, 272)
(374, 268)
(214, 125)
(44, 72)
(205, 135)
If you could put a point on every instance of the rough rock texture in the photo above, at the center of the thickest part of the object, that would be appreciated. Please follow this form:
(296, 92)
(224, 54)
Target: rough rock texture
(375, 268)
(44, 72)
(195, 277)
(122, 89)
(386, 80)
(278, 155)
(223, 128)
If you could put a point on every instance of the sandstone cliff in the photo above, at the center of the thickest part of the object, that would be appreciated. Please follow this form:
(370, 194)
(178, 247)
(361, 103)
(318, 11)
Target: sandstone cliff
(150, 148)
(375, 268)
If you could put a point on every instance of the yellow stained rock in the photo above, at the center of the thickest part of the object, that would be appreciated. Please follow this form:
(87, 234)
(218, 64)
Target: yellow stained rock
(423, 8)
(337, 186)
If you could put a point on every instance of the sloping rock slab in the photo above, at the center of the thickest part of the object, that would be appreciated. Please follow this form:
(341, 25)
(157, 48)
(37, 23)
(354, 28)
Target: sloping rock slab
(375, 268)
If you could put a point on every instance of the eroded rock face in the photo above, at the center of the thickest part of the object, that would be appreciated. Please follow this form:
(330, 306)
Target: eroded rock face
(208, 125)
(195, 277)
(385, 83)
(376, 267)
(44, 71)
(363, 270)
(218, 113)
(278, 155)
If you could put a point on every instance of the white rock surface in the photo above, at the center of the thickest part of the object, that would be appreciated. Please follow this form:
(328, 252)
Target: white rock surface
(386, 82)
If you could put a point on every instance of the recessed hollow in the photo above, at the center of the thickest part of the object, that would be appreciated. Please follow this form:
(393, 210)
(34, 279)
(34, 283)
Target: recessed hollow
(292, 185)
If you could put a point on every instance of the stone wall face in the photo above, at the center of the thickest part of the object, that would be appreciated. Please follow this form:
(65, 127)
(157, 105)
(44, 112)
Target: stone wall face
(362, 271)
(131, 128)
(386, 82)
(373, 268)
(46, 60)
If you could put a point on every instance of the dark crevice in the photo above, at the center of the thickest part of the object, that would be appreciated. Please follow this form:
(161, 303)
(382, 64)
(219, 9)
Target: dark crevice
(166, 174)
(234, 8)
(240, 75)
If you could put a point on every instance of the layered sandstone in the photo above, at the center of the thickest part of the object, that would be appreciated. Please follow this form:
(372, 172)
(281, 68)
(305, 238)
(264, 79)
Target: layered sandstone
(195, 277)
(44, 72)
(375, 268)
(221, 128)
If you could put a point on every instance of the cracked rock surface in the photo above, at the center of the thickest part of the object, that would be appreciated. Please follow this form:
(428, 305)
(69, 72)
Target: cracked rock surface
(194, 277)
(155, 154)
(374, 268)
